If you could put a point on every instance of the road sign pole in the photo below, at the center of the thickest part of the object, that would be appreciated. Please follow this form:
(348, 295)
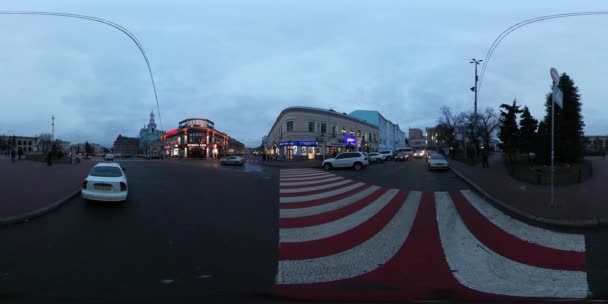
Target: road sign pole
(552, 202)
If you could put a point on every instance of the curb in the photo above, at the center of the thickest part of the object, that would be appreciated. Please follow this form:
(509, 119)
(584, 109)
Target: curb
(589, 223)
(40, 211)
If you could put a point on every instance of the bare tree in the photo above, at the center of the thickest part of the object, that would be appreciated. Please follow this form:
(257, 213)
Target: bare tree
(488, 122)
(44, 141)
(450, 119)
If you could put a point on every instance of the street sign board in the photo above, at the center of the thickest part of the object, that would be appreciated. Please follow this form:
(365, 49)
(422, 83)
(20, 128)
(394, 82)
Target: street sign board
(558, 96)
(554, 75)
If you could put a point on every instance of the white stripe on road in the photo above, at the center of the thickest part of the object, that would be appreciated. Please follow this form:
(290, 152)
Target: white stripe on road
(304, 178)
(477, 267)
(296, 190)
(543, 237)
(300, 170)
(304, 198)
(328, 179)
(305, 234)
(361, 259)
(290, 213)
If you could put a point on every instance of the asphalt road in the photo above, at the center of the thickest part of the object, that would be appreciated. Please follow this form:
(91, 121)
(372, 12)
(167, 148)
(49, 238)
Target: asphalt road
(189, 230)
(407, 175)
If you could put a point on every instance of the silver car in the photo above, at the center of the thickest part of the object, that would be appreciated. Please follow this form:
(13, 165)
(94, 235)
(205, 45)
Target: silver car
(232, 160)
(437, 161)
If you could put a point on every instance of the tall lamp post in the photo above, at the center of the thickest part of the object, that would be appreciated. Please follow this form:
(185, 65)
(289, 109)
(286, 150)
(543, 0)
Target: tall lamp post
(474, 89)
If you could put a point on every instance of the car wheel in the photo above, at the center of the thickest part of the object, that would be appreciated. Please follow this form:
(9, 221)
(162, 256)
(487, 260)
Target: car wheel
(327, 166)
(357, 166)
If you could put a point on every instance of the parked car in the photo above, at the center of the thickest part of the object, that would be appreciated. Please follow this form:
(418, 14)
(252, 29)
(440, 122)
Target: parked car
(437, 161)
(105, 182)
(402, 156)
(232, 160)
(376, 157)
(355, 160)
(109, 157)
(388, 154)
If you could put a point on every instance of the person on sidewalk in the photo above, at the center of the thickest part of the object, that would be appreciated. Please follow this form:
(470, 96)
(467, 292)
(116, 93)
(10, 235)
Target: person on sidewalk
(49, 159)
(13, 156)
(484, 158)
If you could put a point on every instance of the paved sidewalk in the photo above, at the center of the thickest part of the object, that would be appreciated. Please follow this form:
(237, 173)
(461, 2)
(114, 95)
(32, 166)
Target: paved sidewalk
(28, 187)
(577, 205)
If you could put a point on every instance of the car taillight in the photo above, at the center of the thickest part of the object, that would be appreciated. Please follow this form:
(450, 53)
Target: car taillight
(123, 186)
(84, 184)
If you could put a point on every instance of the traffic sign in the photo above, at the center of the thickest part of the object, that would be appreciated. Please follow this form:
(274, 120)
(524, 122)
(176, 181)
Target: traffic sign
(554, 75)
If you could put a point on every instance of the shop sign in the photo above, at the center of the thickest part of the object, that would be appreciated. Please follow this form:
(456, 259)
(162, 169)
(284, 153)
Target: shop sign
(310, 143)
(197, 145)
(350, 140)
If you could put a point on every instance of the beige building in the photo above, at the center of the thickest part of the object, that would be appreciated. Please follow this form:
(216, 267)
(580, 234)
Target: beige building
(312, 133)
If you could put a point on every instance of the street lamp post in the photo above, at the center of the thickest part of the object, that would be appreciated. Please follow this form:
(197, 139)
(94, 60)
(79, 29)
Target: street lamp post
(474, 89)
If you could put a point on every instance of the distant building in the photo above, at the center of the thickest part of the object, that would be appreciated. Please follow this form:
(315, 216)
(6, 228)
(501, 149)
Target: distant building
(81, 147)
(28, 144)
(309, 133)
(194, 138)
(149, 138)
(416, 139)
(390, 136)
(126, 145)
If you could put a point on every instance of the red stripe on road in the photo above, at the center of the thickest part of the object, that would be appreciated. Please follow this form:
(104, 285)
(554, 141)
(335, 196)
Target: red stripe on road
(329, 180)
(318, 219)
(325, 200)
(317, 191)
(346, 240)
(417, 272)
(512, 247)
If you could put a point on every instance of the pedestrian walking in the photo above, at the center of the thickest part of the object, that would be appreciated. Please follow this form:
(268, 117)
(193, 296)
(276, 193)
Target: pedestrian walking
(13, 155)
(49, 159)
(484, 158)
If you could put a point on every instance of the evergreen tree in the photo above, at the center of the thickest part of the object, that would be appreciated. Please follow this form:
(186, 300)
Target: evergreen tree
(569, 141)
(509, 131)
(527, 130)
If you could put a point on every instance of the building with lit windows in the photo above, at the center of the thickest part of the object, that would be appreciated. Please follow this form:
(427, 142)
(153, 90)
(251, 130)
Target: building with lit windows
(312, 133)
(390, 136)
(124, 145)
(194, 138)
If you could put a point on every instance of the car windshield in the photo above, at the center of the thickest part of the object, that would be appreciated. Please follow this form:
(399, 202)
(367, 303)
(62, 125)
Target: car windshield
(106, 171)
(269, 151)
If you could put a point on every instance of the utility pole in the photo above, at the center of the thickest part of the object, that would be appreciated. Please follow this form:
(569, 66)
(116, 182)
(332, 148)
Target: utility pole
(52, 128)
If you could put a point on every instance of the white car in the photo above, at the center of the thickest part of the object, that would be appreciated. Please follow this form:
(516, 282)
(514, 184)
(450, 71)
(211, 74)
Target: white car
(232, 160)
(355, 160)
(376, 157)
(109, 157)
(437, 161)
(388, 155)
(106, 182)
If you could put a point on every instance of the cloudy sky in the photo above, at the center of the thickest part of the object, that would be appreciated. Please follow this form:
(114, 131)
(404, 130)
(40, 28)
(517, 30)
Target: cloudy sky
(239, 63)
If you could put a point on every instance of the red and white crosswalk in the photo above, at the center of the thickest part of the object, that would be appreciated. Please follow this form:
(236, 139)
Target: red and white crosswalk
(346, 240)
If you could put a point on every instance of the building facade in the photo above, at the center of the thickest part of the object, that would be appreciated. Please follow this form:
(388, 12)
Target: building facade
(416, 139)
(194, 138)
(126, 145)
(27, 144)
(390, 135)
(312, 133)
(149, 138)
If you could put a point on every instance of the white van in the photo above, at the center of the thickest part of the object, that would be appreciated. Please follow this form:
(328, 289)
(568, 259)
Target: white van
(407, 150)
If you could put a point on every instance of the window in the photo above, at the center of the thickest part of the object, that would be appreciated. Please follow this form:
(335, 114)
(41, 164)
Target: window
(289, 126)
(334, 130)
(311, 126)
(358, 133)
(323, 128)
(343, 130)
(352, 131)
